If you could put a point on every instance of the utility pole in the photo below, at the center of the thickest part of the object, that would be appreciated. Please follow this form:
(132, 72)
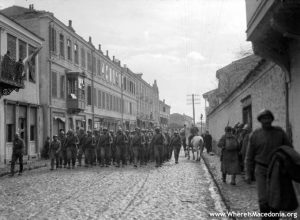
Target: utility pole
(201, 117)
(195, 100)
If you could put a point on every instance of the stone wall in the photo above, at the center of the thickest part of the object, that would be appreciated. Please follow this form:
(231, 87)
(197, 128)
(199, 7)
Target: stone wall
(266, 86)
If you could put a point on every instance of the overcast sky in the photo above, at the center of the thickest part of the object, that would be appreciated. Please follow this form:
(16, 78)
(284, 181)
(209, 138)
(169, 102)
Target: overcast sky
(181, 43)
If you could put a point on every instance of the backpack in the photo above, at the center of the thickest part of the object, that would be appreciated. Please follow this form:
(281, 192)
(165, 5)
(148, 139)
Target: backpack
(231, 143)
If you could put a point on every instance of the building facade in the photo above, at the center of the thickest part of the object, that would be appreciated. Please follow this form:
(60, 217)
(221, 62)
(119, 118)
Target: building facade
(273, 29)
(263, 87)
(147, 103)
(82, 86)
(164, 111)
(20, 112)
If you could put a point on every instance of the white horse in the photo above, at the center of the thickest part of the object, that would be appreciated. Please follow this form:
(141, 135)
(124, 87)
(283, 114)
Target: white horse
(197, 144)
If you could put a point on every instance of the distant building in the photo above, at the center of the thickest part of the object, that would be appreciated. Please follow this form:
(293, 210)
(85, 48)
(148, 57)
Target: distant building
(19, 111)
(178, 121)
(164, 111)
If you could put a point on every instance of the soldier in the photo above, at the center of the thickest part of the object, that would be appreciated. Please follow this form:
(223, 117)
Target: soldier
(54, 150)
(18, 151)
(151, 147)
(158, 142)
(71, 146)
(89, 149)
(98, 149)
(63, 152)
(94, 152)
(112, 146)
(208, 142)
(120, 144)
(169, 148)
(176, 145)
(104, 145)
(262, 143)
(142, 152)
(136, 145)
(81, 138)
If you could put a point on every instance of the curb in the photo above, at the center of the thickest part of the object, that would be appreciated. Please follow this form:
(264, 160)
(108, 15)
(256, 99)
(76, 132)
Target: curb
(218, 186)
(5, 173)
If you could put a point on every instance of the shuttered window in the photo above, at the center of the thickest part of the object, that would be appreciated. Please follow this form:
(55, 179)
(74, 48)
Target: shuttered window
(89, 95)
(54, 84)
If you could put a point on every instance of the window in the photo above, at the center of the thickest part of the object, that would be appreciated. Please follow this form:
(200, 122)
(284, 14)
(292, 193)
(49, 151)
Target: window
(76, 53)
(83, 62)
(69, 46)
(62, 87)
(107, 101)
(94, 97)
(130, 108)
(89, 95)
(22, 50)
(102, 69)
(94, 65)
(124, 83)
(164, 109)
(31, 70)
(111, 103)
(61, 45)
(99, 99)
(10, 122)
(12, 46)
(54, 84)
(32, 124)
(106, 73)
(52, 39)
(103, 100)
(98, 67)
(89, 61)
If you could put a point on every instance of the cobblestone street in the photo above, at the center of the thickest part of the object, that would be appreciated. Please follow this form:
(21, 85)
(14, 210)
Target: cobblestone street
(182, 191)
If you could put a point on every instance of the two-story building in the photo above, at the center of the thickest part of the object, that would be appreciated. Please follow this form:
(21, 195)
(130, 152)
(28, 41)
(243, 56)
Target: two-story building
(20, 109)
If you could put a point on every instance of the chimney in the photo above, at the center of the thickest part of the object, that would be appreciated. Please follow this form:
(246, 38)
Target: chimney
(90, 39)
(99, 47)
(164, 101)
(31, 7)
(114, 58)
(107, 53)
(70, 23)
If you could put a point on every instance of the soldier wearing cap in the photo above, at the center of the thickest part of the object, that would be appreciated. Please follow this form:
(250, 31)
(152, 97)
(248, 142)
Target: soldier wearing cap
(136, 143)
(158, 142)
(63, 152)
(112, 145)
(71, 146)
(89, 149)
(121, 150)
(104, 145)
(82, 139)
(54, 150)
(262, 142)
(175, 143)
(17, 154)
(98, 150)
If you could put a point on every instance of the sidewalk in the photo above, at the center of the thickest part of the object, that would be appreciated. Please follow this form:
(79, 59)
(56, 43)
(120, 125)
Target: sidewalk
(239, 198)
(28, 165)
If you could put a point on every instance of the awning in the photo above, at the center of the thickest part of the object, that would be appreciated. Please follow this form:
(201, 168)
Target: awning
(60, 118)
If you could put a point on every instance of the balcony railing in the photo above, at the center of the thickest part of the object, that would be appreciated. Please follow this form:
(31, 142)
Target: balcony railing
(11, 78)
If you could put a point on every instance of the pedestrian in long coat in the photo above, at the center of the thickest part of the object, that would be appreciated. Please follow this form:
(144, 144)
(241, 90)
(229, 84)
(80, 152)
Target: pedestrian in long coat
(263, 142)
(229, 155)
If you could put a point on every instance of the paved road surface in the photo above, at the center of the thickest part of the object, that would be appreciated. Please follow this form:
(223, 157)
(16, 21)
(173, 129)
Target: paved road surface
(181, 191)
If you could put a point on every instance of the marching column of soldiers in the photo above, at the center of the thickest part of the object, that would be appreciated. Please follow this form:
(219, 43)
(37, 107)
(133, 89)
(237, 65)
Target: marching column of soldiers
(106, 148)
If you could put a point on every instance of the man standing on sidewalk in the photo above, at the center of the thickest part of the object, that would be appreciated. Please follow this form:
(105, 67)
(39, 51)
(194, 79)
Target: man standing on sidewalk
(208, 142)
(18, 151)
(262, 143)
